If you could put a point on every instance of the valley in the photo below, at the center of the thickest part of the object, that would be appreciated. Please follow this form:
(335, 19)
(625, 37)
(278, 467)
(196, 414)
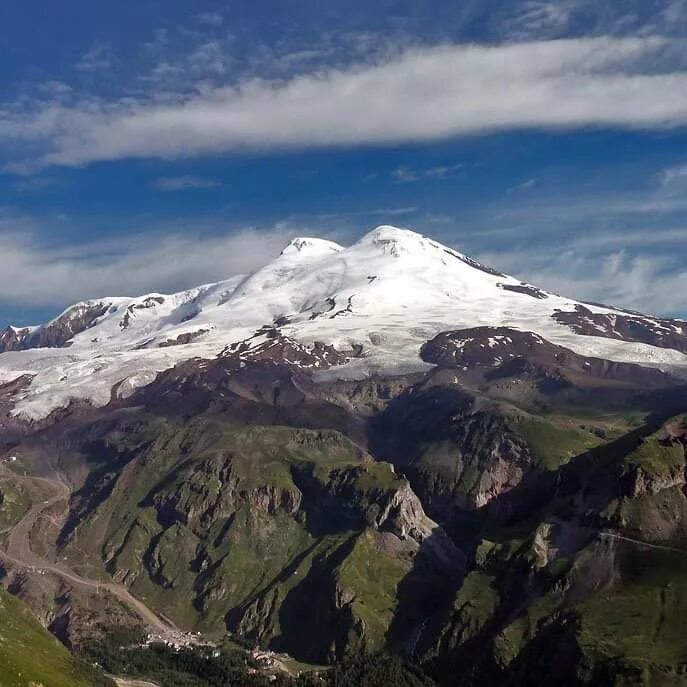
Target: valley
(19, 553)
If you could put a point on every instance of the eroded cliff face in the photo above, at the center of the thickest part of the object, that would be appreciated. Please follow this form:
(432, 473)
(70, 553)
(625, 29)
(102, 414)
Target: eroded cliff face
(257, 530)
(590, 572)
(456, 451)
(659, 462)
(213, 490)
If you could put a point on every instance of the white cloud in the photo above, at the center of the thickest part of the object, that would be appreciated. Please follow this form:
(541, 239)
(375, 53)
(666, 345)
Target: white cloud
(604, 268)
(674, 179)
(184, 183)
(39, 274)
(423, 94)
(209, 58)
(408, 174)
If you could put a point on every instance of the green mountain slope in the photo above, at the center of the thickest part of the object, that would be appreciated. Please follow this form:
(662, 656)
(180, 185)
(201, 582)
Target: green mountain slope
(289, 537)
(519, 529)
(30, 656)
(591, 588)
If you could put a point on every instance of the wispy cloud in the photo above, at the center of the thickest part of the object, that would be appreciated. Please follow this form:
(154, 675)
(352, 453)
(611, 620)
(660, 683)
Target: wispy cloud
(408, 174)
(674, 179)
(539, 19)
(544, 18)
(184, 183)
(674, 14)
(98, 58)
(210, 18)
(38, 273)
(647, 238)
(210, 57)
(593, 207)
(648, 283)
(372, 212)
(36, 183)
(524, 186)
(420, 95)
(611, 247)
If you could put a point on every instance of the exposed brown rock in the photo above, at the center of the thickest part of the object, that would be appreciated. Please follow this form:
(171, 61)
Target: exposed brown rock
(525, 289)
(55, 334)
(183, 339)
(664, 333)
(505, 352)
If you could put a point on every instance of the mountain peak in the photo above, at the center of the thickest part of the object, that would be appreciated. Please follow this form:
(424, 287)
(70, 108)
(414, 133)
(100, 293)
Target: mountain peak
(387, 233)
(304, 245)
(390, 231)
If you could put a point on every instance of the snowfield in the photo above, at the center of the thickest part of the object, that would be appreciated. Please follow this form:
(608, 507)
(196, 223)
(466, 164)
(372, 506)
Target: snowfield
(386, 295)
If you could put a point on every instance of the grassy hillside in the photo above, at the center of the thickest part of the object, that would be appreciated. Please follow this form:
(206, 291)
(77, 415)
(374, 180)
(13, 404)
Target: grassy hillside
(589, 588)
(30, 656)
(267, 532)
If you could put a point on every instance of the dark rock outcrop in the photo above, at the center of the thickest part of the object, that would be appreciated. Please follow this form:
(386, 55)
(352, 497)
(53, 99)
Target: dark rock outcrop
(525, 289)
(57, 333)
(506, 352)
(664, 333)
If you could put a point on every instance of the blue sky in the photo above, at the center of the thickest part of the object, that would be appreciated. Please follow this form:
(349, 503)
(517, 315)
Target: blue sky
(157, 144)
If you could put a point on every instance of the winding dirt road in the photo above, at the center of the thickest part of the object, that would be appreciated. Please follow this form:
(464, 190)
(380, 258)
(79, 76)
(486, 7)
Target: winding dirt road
(19, 553)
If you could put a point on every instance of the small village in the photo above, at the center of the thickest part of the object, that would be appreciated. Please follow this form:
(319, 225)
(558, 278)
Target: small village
(177, 640)
(268, 660)
(267, 663)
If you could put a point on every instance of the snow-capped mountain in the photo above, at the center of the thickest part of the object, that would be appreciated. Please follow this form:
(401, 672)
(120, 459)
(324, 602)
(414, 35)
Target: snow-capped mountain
(375, 304)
